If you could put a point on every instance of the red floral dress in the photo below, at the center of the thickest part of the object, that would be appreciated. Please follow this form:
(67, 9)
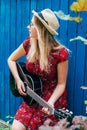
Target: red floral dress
(31, 115)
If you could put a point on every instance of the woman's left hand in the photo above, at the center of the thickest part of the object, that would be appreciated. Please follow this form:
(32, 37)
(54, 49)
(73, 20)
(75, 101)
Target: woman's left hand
(46, 110)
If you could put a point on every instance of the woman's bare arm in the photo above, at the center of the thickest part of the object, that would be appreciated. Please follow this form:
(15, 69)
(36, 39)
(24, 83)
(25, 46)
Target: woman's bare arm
(18, 53)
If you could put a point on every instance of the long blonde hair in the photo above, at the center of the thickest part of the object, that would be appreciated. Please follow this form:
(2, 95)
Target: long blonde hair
(41, 48)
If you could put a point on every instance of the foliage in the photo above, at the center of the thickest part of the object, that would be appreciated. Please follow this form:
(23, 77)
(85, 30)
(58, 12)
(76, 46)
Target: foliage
(79, 38)
(78, 123)
(78, 7)
(63, 16)
(5, 128)
(6, 125)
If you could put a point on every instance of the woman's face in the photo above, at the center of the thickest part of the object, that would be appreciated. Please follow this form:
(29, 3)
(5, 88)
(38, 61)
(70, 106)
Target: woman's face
(32, 30)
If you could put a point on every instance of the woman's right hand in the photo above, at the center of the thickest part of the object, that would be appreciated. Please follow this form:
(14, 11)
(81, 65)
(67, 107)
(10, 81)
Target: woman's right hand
(21, 87)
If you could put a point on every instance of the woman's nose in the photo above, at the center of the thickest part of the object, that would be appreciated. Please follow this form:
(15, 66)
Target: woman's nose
(28, 27)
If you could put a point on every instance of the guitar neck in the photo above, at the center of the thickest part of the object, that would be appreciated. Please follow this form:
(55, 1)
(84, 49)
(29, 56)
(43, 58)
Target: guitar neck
(38, 99)
(61, 114)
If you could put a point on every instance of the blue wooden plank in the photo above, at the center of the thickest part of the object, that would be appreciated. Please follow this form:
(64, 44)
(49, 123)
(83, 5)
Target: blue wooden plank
(24, 18)
(2, 99)
(85, 63)
(47, 4)
(18, 23)
(55, 5)
(71, 32)
(18, 101)
(12, 25)
(6, 43)
(79, 78)
(64, 24)
(85, 83)
(2, 53)
(40, 5)
(33, 7)
(12, 44)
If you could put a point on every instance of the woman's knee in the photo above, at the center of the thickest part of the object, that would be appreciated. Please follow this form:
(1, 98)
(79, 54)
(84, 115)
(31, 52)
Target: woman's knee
(18, 125)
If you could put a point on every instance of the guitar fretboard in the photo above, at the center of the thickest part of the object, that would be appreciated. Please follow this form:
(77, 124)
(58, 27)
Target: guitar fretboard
(38, 99)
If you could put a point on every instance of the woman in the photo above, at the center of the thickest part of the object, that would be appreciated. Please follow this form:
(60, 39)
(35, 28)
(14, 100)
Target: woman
(46, 58)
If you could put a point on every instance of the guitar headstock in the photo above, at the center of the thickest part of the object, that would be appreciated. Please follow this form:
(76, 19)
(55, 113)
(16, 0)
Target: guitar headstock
(64, 113)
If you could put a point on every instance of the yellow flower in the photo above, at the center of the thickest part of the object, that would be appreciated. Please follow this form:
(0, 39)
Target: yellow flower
(79, 6)
(76, 19)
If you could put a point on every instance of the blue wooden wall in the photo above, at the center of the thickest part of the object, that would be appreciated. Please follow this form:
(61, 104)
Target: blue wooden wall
(15, 15)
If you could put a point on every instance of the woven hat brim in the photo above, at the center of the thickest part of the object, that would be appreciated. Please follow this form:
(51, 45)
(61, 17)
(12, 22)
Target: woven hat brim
(52, 31)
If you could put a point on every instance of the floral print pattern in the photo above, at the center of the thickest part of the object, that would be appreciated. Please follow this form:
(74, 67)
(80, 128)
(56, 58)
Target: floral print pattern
(31, 115)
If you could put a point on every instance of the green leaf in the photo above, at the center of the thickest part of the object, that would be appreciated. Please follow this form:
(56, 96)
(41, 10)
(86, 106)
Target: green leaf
(79, 38)
(10, 117)
(60, 14)
(85, 102)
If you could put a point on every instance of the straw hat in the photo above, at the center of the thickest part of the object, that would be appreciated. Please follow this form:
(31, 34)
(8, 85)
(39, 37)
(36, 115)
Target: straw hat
(49, 20)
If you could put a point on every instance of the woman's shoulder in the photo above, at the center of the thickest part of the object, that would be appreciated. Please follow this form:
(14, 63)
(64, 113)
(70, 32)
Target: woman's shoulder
(26, 44)
(26, 41)
(60, 52)
(60, 48)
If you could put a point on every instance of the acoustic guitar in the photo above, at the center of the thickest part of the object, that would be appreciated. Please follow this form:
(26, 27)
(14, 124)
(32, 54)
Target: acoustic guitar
(33, 87)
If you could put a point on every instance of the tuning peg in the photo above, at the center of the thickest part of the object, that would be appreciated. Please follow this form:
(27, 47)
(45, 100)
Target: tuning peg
(71, 112)
(63, 108)
(67, 110)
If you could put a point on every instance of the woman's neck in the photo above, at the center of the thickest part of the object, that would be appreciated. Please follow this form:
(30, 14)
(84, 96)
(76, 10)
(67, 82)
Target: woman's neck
(33, 40)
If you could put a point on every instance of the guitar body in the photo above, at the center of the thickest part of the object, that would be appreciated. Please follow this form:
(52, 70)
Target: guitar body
(34, 83)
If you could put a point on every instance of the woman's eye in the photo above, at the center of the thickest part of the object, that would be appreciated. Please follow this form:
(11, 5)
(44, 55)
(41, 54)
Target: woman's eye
(31, 24)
